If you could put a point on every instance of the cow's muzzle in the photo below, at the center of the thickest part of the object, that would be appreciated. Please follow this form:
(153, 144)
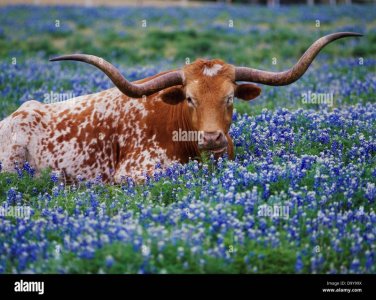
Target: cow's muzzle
(215, 142)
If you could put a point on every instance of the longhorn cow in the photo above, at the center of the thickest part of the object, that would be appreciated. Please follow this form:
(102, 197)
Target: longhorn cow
(128, 129)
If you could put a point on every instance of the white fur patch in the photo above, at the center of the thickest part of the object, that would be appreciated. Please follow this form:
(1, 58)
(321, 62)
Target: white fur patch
(212, 71)
(134, 104)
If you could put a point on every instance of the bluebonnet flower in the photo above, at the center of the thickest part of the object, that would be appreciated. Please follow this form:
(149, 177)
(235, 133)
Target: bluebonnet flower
(54, 177)
(29, 170)
(109, 261)
(299, 264)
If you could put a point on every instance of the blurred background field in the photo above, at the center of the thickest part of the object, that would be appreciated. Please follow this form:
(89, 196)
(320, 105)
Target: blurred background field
(143, 41)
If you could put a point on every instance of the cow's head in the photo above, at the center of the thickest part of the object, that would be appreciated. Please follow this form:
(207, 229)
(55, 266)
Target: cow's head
(208, 92)
(209, 87)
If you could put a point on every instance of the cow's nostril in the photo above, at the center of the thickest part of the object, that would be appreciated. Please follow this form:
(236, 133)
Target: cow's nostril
(219, 136)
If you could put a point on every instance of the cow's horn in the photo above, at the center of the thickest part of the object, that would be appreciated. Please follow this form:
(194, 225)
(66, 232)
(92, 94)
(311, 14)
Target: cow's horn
(130, 89)
(293, 74)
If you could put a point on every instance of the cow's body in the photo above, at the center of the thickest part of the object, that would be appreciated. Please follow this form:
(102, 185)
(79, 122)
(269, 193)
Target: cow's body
(105, 134)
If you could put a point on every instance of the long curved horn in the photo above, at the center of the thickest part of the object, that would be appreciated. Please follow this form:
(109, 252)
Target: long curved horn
(126, 87)
(297, 71)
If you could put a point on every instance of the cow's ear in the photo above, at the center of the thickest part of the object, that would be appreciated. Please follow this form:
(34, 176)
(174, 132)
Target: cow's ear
(173, 95)
(247, 91)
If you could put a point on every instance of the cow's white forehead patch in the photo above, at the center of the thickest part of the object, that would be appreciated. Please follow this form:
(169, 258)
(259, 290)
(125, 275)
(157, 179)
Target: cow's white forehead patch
(213, 70)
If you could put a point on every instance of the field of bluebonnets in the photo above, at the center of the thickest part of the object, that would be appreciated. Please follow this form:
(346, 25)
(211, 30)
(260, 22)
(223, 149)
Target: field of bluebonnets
(314, 161)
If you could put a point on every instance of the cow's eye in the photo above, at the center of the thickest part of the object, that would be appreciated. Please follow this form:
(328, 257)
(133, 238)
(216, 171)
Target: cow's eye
(230, 100)
(190, 101)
